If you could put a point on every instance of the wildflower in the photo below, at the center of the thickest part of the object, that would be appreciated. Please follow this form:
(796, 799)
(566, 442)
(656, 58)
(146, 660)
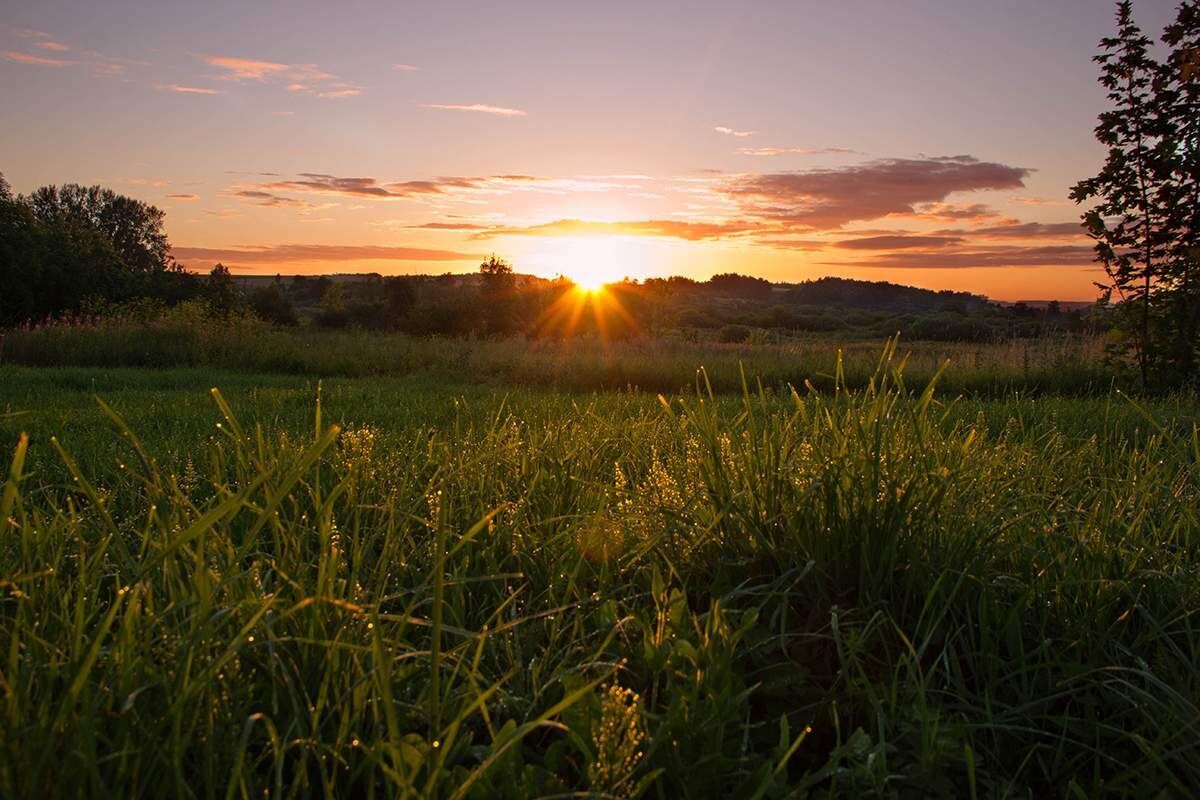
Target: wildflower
(616, 741)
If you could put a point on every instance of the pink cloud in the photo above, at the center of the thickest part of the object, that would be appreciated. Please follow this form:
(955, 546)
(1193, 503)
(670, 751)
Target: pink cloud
(36, 60)
(482, 108)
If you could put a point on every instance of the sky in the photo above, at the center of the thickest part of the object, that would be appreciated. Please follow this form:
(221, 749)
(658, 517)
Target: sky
(926, 142)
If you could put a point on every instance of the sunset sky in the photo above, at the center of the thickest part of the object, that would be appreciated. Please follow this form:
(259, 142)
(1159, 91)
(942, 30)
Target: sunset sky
(927, 143)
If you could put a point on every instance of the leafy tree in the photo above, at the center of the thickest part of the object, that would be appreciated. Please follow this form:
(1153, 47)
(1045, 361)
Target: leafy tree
(497, 290)
(271, 304)
(5, 189)
(221, 292)
(51, 269)
(1178, 86)
(333, 312)
(1145, 220)
(134, 228)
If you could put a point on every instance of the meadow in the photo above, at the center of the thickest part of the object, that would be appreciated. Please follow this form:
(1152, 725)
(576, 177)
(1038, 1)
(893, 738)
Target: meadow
(451, 569)
(186, 337)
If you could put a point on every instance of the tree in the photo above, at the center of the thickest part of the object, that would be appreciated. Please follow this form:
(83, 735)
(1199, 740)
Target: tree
(221, 292)
(1146, 223)
(134, 228)
(5, 189)
(497, 290)
(271, 304)
(1178, 86)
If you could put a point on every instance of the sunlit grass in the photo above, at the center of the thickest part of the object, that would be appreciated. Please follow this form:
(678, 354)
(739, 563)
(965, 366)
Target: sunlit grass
(853, 592)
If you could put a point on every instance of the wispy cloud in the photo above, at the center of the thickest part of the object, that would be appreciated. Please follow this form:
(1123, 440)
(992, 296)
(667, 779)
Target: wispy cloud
(677, 229)
(249, 255)
(52, 45)
(270, 200)
(481, 108)
(1034, 201)
(899, 242)
(175, 87)
(733, 132)
(36, 60)
(185, 197)
(963, 258)
(305, 78)
(800, 151)
(405, 68)
(246, 69)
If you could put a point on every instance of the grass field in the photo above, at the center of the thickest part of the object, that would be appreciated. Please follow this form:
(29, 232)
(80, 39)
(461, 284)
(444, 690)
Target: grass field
(432, 584)
(1058, 365)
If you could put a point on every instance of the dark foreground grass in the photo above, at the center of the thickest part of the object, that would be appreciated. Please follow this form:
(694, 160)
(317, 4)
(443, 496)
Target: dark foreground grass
(464, 594)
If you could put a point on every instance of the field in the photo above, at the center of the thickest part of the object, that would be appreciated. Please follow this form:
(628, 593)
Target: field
(453, 569)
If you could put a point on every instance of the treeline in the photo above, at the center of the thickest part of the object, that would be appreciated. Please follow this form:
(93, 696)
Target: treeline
(730, 308)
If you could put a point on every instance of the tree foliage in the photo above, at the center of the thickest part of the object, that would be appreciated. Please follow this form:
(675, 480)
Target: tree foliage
(1144, 218)
(64, 248)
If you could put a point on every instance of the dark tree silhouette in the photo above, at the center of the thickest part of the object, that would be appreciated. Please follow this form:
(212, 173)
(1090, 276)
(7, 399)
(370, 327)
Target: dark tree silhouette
(1145, 221)
(134, 228)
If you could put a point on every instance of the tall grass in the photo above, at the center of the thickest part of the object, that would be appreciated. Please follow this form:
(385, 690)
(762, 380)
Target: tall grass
(1063, 365)
(858, 592)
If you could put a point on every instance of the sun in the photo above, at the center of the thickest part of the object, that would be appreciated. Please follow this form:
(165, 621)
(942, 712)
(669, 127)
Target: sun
(591, 262)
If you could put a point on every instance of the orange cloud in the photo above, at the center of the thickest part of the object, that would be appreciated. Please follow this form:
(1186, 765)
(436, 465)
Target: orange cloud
(479, 107)
(678, 229)
(314, 253)
(187, 197)
(36, 60)
(1049, 256)
(800, 151)
(174, 87)
(50, 44)
(731, 132)
(900, 242)
(243, 69)
(308, 78)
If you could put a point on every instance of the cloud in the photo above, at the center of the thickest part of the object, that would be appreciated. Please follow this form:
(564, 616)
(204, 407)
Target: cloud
(897, 242)
(186, 197)
(306, 78)
(405, 68)
(794, 244)
(441, 226)
(1046, 256)
(949, 212)
(269, 200)
(829, 198)
(246, 69)
(801, 151)
(371, 188)
(36, 60)
(1034, 201)
(479, 107)
(50, 44)
(174, 87)
(678, 229)
(732, 132)
(250, 255)
(1024, 230)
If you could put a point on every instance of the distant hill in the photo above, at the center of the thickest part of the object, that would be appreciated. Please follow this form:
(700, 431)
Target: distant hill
(882, 295)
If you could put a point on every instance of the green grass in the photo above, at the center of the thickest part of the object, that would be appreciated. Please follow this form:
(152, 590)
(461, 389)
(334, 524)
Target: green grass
(1059, 365)
(435, 587)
